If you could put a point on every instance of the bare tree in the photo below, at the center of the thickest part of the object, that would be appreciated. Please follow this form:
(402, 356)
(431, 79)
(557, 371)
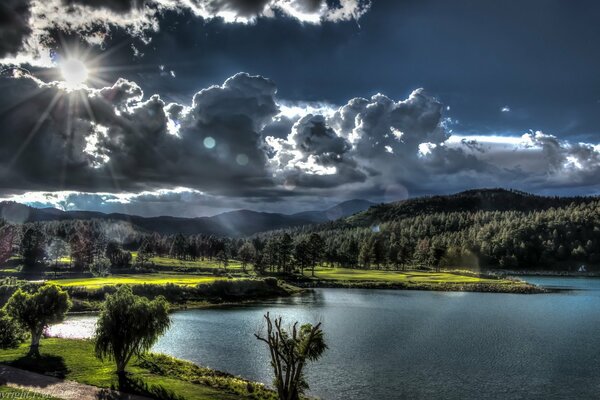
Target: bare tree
(290, 352)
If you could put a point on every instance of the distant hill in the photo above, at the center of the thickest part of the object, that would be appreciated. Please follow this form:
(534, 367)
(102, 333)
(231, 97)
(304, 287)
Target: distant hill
(341, 210)
(233, 223)
(470, 200)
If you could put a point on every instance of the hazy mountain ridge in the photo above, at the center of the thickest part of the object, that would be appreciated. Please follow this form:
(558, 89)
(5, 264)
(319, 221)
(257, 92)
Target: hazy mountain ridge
(232, 223)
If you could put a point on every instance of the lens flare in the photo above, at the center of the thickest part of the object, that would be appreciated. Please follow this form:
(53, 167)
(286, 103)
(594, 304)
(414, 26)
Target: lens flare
(74, 72)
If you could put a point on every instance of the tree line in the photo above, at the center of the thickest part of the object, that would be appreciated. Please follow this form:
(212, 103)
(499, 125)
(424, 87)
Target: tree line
(554, 238)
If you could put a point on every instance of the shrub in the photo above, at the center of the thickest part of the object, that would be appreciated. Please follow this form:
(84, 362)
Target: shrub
(11, 334)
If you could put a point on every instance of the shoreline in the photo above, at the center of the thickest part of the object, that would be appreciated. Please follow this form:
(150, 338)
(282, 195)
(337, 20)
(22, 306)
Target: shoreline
(200, 305)
(157, 371)
(516, 288)
(548, 273)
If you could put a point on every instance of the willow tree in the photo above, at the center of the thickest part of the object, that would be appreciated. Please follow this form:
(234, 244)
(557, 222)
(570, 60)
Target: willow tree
(129, 325)
(290, 351)
(35, 311)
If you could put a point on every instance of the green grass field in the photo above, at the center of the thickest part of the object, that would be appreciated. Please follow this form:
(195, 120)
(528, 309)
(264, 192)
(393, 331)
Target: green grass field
(75, 360)
(417, 277)
(176, 263)
(197, 264)
(138, 279)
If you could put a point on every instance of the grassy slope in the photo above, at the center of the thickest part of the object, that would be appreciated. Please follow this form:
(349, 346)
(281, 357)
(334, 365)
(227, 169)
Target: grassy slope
(133, 279)
(75, 360)
(420, 280)
(196, 264)
(347, 274)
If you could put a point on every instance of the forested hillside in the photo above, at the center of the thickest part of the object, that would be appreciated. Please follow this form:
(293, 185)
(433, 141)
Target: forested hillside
(485, 228)
(474, 229)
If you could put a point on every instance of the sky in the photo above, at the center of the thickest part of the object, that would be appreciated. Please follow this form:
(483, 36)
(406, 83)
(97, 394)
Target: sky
(195, 107)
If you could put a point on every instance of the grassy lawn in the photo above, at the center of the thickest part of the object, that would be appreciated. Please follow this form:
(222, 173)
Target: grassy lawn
(417, 277)
(235, 266)
(133, 279)
(75, 360)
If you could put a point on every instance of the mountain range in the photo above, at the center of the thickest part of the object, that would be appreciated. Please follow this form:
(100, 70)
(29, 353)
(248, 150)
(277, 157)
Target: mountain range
(232, 223)
(349, 213)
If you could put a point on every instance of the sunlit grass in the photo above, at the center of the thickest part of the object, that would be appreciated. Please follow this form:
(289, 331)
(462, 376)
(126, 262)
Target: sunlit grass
(196, 264)
(347, 274)
(138, 279)
(75, 360)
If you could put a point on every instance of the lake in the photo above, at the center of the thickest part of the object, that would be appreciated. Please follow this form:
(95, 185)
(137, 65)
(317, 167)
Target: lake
(389, 344)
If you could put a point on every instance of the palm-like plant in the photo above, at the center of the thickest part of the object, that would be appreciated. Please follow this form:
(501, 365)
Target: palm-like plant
(290, 351)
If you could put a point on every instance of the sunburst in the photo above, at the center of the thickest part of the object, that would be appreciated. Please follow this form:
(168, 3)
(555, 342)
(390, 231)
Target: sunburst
(74, 72)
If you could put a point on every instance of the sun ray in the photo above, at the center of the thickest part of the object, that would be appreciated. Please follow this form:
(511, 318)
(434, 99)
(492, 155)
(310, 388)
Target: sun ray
(35, 129)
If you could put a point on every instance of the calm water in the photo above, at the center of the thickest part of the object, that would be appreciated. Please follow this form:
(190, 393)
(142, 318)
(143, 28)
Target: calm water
(414, 345)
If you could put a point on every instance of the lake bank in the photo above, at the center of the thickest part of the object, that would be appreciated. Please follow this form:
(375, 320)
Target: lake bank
(515, 288)
(155, 376)
(218, 292)
(444, 281)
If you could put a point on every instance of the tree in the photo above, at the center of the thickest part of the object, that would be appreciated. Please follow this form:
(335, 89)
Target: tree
(285, 252)
(82, 246)
(259, 263)
(33, 245)
(290, 351)
(144, 254)
(179, 247)
(8, 235)
(223, 258)
(35, 311)
(367, 253)
(56, 249)
(315, 250)
(301, 255)
(271, 253)
(117, 256)
(437, 252)
(129, 325)
(100, 267)
(247, 253)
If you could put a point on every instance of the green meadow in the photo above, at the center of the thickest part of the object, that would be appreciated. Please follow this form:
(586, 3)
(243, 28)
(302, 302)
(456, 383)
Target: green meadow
(169, 262)
(138, 279)
(156, 376)
(348, 274)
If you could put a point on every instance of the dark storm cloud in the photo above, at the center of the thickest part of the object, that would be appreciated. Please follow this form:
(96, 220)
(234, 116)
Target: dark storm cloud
(133, 149)
(112, 139)
(14, 25)
(477, 56)
(31, 29)
(144, 135)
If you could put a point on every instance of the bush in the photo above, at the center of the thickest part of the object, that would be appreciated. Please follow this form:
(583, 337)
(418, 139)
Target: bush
(270, 281)
(11, 334)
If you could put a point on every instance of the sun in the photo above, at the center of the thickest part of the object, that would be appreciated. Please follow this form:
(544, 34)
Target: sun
(74, 72)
